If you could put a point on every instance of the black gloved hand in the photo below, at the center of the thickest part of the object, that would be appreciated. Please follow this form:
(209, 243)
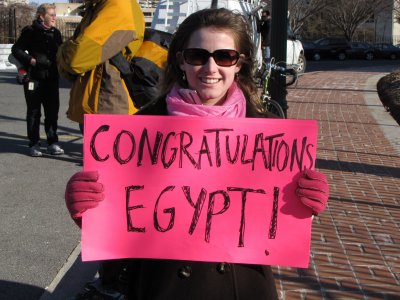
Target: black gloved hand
(42, 62)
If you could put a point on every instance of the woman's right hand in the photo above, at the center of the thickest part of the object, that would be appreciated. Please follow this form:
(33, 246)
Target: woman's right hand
(83, 192)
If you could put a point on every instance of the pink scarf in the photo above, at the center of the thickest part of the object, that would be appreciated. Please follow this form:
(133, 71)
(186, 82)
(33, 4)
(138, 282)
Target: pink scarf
(184, 102)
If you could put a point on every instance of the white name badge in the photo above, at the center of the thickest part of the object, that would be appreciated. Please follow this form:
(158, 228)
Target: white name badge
(31, 86)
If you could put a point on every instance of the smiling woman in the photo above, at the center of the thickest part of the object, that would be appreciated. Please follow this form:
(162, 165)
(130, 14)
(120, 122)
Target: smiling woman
(209, 73)
(218, 80)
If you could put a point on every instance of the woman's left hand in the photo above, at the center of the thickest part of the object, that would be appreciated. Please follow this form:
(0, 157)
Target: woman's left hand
(313, 190)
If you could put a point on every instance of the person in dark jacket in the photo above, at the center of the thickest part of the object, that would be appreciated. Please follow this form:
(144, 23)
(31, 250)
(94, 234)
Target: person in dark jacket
(36, 49)
(264, 28)
(209, 73)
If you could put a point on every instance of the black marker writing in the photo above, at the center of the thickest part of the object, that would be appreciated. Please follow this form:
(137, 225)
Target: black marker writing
(130, 208)
(214, 197)
(188, 150)
(274, 218)
(243, 210)
(170, 211)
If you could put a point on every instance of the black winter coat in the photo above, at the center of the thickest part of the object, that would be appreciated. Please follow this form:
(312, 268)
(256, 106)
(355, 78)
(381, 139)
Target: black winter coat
(153, 279)
(265, 30)
(41, 44)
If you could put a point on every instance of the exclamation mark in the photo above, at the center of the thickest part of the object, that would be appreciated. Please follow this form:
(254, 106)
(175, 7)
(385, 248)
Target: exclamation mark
(274, 217)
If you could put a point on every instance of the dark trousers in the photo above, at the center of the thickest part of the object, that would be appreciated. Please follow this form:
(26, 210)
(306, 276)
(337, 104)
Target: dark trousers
(38, 93)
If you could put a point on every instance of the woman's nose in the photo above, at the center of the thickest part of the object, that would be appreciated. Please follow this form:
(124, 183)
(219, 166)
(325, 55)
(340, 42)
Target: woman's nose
(211, 64)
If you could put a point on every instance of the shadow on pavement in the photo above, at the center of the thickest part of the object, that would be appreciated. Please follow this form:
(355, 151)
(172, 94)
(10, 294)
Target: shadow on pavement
(355, 65)
(13, 143)
(19, 291)
(69, 130)
(71, 284)
(73, 281)
(69, 140)
(384, 171)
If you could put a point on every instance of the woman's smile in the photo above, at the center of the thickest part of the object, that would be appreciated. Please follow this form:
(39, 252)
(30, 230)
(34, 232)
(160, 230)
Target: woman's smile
(210, 80)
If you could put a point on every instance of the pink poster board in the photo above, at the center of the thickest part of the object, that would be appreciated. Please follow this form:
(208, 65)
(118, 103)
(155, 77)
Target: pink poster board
(192, 188)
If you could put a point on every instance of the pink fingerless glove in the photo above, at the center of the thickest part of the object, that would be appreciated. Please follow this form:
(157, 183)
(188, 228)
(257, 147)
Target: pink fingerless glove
(83, 192)
(313, 190)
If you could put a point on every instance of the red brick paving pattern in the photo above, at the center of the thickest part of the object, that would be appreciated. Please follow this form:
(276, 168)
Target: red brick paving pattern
(355, 252)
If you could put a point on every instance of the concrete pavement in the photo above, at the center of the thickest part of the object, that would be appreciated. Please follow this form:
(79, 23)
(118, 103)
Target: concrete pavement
(355, 243)
(355, 251)
(37, 236)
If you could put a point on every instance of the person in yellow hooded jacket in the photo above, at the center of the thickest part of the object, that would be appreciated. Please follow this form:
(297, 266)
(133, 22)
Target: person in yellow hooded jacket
(107, 28)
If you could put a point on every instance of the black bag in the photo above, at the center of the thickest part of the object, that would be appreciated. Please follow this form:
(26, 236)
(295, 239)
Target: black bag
(23, 73)
(142, 74)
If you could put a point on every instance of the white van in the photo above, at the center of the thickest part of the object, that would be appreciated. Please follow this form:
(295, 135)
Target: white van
(169, 14)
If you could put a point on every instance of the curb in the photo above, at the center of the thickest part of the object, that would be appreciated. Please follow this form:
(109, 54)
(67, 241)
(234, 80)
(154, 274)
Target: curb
(71, 278)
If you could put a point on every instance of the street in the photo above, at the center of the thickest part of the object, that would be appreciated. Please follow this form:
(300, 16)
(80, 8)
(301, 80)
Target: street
(39, 242)
(37, 235)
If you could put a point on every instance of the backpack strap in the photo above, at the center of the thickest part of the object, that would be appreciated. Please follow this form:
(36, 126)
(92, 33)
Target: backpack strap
(141, 78)
(142, 74)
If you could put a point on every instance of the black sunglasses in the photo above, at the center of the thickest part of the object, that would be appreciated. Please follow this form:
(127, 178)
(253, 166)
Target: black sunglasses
(199, 57)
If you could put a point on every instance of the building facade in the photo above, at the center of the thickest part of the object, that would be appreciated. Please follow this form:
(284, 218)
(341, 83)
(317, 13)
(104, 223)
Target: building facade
(68, 18)
(382, 27)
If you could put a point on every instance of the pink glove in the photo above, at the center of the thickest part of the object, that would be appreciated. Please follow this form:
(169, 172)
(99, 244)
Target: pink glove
(313, 190)
(83, 192)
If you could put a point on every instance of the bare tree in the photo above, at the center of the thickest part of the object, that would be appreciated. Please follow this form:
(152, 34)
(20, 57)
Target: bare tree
(347, 15)
(302, 10)
(12, 19)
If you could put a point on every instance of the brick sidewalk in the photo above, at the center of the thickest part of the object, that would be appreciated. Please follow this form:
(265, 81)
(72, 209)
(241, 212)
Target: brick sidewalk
(355, 250)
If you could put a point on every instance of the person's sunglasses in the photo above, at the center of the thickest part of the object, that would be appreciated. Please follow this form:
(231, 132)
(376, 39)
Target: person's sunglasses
(199, 57)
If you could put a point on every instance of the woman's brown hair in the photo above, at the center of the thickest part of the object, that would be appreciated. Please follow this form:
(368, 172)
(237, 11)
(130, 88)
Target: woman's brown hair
(220, 19)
